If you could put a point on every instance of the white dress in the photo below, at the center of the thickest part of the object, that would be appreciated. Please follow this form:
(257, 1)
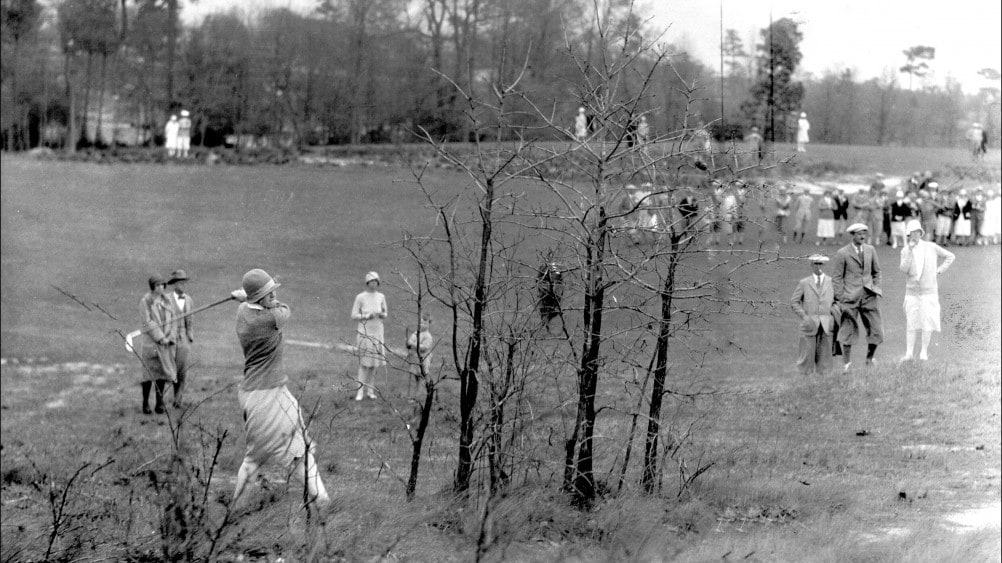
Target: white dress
(803, 126)
(991, 220)
(369, 334)
(961, 226)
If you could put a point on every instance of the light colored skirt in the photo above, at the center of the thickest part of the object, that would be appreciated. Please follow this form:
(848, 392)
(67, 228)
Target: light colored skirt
(922, 312)
(962, 227)
(369, 341)
(826, 228)
(898, 229)
(988, 225)
(943, 225)
(273, 425)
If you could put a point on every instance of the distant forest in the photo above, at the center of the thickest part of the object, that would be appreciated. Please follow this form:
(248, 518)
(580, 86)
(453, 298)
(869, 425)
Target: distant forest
(369, 71)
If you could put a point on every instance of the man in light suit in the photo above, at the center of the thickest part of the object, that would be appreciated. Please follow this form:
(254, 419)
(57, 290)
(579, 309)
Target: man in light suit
(856, 282)
(812, 301)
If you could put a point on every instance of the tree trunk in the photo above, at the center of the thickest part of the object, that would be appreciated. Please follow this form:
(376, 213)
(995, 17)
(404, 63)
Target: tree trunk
(579, 476)
(71, 126)
(86, 99)
(468, 378)
(171, 48)
(98, 137)
(417, 443)
(660, 373)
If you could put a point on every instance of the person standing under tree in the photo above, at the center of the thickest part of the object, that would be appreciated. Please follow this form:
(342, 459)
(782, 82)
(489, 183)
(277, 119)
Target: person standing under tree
(856, 282)
(156, 348)
(919, 260)
(273, 422)
(581, 125)
(369, 310)
(803, 126)
(182, 305)
(183, 134)
(170, 136)
(643, 130)
(550, 288)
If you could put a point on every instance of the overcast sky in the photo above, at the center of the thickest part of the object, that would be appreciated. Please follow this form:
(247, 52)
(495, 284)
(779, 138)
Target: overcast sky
(866, 35)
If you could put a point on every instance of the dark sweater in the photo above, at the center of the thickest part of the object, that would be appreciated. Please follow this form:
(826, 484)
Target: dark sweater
(260, 334)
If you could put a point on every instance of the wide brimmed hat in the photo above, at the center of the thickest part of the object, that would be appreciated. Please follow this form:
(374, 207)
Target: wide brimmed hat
(913, 225)
(818, 258)
(856, 227)
(177, 275)
(372, 276)
(257, 284)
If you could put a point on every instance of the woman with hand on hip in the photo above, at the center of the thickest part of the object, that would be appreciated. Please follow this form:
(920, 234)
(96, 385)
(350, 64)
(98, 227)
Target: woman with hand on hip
(369, 310)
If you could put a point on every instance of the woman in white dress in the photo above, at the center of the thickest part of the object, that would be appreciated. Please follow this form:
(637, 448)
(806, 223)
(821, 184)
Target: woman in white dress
(369, 310)
(962, 209)
(919, 262)
(988, 224)
(803, 126)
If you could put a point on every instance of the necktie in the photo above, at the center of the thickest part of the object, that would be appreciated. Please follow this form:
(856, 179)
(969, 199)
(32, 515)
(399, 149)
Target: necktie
(817, 281)
(859, 252)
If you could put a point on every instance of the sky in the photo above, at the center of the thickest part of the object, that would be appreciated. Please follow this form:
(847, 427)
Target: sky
(867, 36)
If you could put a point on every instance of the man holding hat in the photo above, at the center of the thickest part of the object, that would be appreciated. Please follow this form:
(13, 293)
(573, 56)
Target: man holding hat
(812, 301)
(182, 305)
(919, 262)
(856, 281)
(273, 422)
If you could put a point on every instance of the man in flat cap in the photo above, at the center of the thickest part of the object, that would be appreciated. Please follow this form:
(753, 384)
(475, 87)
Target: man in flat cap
(812, 301)
(182, 305)
(856, 281)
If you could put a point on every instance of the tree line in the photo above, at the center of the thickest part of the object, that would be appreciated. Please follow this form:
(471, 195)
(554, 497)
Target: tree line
(353, 71)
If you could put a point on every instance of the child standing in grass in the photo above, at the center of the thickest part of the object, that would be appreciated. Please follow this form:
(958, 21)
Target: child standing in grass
(419, 345)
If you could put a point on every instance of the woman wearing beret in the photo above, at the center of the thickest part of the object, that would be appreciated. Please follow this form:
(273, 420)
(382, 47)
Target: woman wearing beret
(369, 310)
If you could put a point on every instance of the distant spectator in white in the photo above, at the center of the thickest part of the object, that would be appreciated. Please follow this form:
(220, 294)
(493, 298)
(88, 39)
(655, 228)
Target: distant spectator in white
(183, 134)
(826, 218)
(170, 136)
(643, 130)
(962, 208)
(802, 215)
(581, 125)
(919, 263)
(803, 126)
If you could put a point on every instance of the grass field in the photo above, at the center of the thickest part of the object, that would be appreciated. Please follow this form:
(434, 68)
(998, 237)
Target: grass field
(880, 465)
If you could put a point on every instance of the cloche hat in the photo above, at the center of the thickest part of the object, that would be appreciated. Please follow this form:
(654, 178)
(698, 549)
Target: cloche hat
(257, 284)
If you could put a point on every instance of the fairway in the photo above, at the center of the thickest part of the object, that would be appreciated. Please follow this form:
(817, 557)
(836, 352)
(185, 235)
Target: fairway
(868, 466)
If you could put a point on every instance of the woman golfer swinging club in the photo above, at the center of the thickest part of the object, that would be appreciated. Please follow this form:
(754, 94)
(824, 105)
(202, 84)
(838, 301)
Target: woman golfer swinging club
(273, 423)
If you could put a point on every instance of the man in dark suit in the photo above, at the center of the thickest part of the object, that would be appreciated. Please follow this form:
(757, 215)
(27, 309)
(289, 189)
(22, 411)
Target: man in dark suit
(856, 283)
(812, 301)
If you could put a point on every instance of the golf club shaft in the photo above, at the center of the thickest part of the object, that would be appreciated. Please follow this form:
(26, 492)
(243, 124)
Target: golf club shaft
(190, 313)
